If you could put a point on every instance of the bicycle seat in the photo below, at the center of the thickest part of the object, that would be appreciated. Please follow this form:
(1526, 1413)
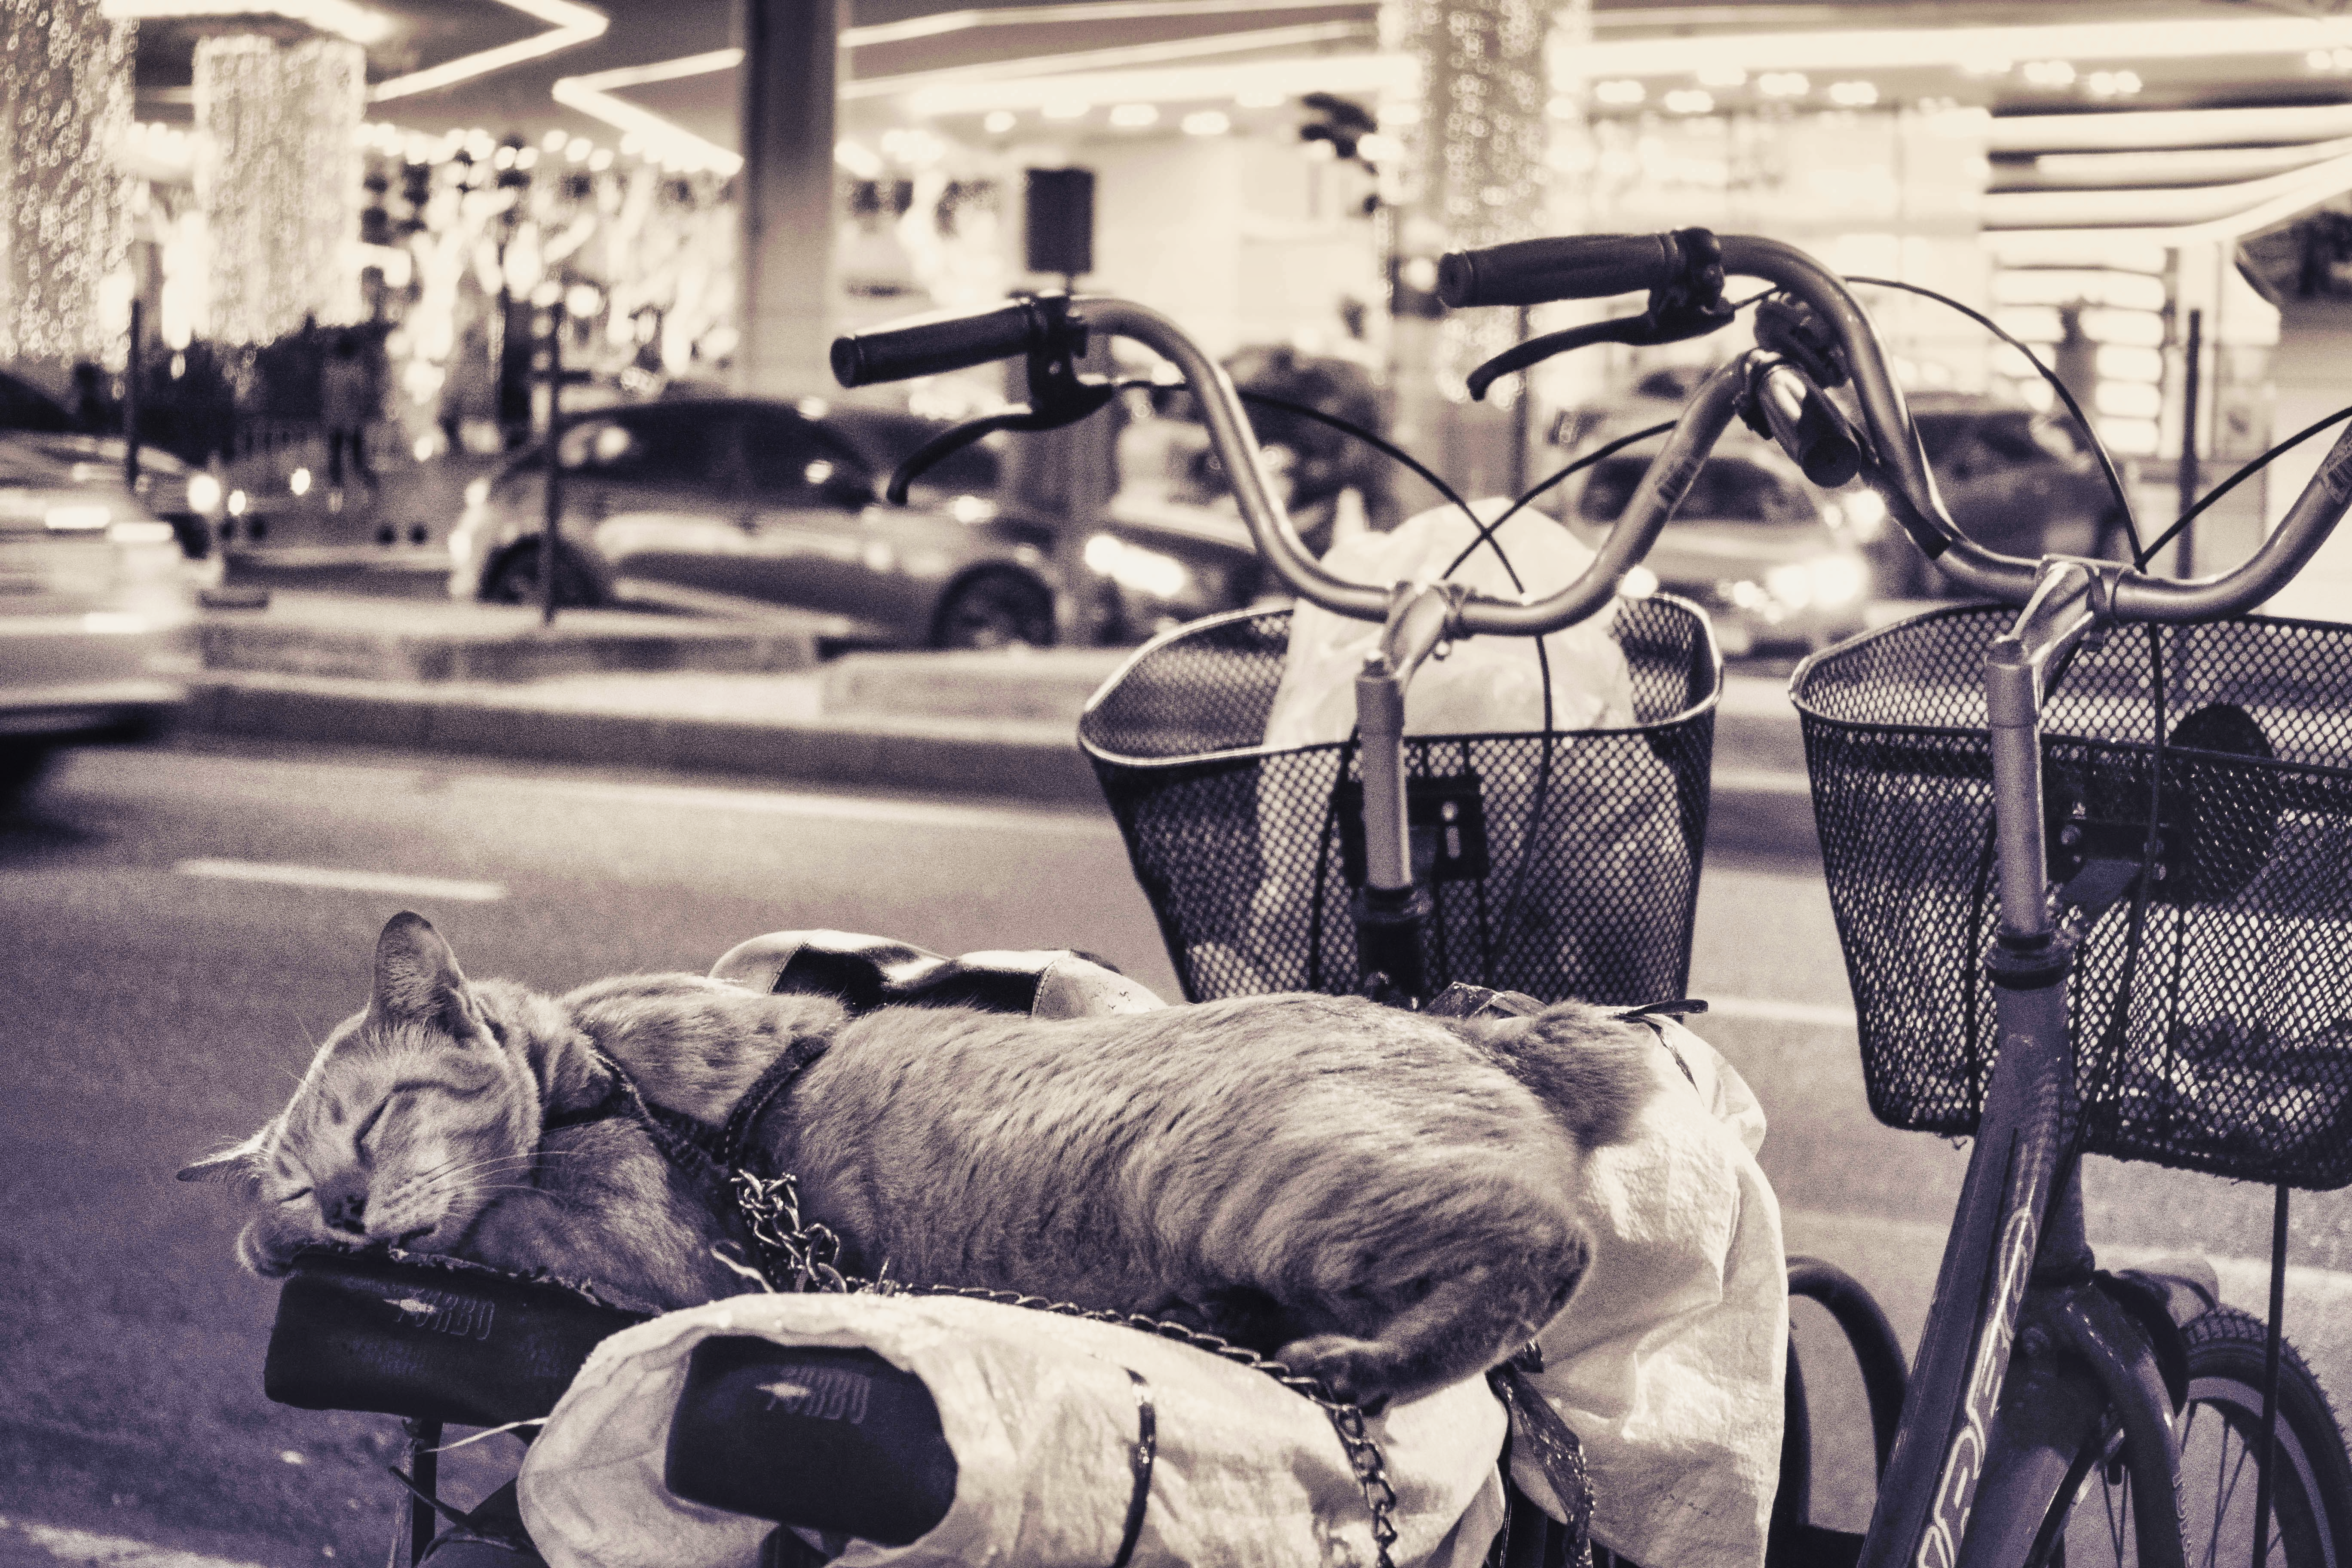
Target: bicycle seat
(443, 1340)
(838, 1441)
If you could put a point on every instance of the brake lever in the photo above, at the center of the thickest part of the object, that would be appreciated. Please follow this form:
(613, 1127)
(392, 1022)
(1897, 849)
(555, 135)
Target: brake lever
(1058, 396)
(1689, 307)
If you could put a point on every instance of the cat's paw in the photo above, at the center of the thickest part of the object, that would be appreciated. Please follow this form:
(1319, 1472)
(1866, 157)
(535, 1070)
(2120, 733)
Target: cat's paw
(1360, 1372)
(267, 1252)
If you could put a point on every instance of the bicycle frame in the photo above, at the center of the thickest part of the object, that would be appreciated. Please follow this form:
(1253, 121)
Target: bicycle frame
(2023, 1352)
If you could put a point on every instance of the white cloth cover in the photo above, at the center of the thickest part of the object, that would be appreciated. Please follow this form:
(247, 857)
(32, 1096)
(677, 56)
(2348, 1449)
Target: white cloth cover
(1041, 1413)
(1669, 1362)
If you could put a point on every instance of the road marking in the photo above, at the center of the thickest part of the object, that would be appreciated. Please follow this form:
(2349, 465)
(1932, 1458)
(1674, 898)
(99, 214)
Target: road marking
(344, 879)
(1769, 1010)
(108, 1551)
(1761, 781)
(787, 802)
(2320, 1298)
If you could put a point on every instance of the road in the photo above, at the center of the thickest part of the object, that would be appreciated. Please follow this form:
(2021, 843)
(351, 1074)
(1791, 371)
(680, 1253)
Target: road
(183, 926)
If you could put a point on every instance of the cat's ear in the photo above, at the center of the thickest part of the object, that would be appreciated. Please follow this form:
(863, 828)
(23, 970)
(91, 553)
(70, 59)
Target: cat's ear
(417, 980)
(240, 1162)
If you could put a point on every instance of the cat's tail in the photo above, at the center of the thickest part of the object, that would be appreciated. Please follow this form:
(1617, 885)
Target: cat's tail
(1593, 1071)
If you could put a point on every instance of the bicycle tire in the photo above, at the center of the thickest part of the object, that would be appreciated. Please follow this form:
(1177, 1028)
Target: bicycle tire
(2091, 1524)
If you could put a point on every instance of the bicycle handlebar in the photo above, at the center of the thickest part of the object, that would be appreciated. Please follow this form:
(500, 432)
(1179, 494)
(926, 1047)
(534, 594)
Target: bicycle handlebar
(1572, 266)
(933, 346)
(1579, 266)
(923, 347)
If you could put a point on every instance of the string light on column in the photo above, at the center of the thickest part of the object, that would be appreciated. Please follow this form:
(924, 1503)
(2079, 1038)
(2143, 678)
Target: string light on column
(64, 94)
(279, 174)
(1480, 143)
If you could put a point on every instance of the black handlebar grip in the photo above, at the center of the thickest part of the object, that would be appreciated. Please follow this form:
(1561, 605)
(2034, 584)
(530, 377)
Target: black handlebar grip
(1568, 266)
(931, 347)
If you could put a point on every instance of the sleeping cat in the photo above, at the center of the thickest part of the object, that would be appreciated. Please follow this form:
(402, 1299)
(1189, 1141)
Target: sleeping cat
(1383, 1200)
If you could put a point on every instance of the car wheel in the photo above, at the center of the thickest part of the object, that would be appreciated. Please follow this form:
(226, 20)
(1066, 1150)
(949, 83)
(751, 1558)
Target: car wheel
(20, 768)
(514, 579)
(995, 609)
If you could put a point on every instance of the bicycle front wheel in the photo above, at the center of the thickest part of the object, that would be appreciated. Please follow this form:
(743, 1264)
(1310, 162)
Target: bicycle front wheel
(2093, 1521)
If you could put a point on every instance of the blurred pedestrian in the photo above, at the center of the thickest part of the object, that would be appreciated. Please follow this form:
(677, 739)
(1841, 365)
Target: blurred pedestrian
(468, 390)
(346, 388)
(94, 412)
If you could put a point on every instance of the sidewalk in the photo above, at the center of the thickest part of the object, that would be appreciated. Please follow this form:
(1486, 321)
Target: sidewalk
(607, 687)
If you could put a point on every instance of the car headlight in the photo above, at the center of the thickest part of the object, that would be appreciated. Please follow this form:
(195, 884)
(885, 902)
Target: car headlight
(1132, 566)
(1828, 581)
(1865, 514)
(204, 493)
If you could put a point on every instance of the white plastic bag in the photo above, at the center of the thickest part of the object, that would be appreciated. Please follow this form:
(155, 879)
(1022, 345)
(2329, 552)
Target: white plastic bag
(1041, 1414)
(1669, 1362)
(1609, 823)
(1483, 685)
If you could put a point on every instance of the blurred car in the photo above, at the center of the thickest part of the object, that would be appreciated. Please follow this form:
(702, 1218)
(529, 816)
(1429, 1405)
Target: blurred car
(2015, 480)
(1775, 561)
(98, 612)
(188, 498)
(1170, 546)
(719, 503)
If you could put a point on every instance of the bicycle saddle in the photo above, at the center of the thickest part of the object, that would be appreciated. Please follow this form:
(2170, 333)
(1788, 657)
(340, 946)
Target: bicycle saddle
(834, 1440)
(440, 1341)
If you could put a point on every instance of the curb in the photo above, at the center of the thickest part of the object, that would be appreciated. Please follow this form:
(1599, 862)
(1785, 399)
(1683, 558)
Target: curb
(1024, 761)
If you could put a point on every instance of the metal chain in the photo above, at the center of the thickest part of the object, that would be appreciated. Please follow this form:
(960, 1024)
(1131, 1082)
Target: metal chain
(809, 1255)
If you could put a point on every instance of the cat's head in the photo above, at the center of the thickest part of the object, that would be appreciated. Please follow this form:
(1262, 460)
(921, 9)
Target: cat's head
(412, 1119)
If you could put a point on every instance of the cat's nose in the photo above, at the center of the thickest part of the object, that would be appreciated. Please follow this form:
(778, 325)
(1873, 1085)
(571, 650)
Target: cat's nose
(345, 1212)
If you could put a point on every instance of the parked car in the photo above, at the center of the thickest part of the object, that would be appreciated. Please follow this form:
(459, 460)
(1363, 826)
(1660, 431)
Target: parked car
(1775, 561)
(2015, 480)
(188, 498)
(724, 503)
(97, 628)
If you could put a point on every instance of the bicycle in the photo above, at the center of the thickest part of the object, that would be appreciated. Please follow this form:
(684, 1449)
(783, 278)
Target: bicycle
(2043, 1383)
(2102, 1364)
(2041, 1380)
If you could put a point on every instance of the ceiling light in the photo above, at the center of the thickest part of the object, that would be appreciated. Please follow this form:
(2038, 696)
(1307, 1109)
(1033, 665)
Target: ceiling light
(345, 20)
(1690, 100)
(569, 24)
(1854, 94)
(554, 140)
(1618, 94)
(1067, 109)
(600, 160)
(999, 121)
(1134, 116)
(1722, 75)
(658, 138)
(1206, 122)
(1784, 84)
(2050, 73)
(1885, 48)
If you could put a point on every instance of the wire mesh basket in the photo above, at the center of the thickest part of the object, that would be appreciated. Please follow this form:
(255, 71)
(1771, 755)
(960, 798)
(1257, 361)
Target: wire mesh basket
(2220, 1038)
(1559, 864)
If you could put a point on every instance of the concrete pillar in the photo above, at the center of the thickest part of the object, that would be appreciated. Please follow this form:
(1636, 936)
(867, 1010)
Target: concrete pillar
(65, 98)
(791, 70)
